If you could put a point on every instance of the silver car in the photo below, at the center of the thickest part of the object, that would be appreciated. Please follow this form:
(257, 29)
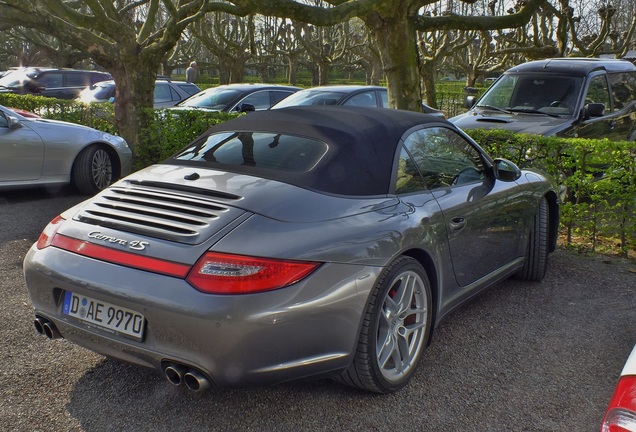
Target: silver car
(293, 243)
(348, 95)
(39, 152)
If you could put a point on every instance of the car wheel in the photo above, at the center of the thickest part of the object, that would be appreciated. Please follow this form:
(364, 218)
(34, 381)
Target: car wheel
(537, 255)
(395, 329)
(93, 170)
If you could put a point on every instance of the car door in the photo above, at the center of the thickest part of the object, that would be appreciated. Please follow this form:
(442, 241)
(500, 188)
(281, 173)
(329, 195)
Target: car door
(50, 84)
(21, 152)
(484, 218)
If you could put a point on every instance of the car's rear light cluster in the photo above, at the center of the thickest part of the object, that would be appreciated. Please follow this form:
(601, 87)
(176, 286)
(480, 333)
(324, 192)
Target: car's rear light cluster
(213, 273)
(621, 412)
(236, 274)
(49, 232)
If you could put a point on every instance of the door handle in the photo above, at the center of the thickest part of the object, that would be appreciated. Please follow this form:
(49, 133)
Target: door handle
(457, 224)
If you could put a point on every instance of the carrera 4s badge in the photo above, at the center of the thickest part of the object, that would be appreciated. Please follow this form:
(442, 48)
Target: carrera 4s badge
(131, 244)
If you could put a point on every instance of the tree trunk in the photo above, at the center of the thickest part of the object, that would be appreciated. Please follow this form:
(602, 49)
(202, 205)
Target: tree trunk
(292, 61)
(323, 68)
(396, 37)
(134, 94)
(427, 72)
(237, 71)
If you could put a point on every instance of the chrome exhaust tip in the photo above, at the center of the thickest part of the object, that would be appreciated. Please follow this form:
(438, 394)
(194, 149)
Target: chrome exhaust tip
(196, 381)
(51, 331)
(174, 374)
(45, 327)
(38, 324)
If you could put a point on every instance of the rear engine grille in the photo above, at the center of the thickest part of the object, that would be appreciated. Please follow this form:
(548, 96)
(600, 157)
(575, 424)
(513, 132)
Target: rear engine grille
(162, 211)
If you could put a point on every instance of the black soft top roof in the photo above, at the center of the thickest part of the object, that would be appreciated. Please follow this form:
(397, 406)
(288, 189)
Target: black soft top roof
(362, 145)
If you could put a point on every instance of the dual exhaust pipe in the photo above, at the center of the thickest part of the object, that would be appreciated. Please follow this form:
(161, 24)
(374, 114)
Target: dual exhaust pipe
(46, 327)
(193, 379)
(175, 373)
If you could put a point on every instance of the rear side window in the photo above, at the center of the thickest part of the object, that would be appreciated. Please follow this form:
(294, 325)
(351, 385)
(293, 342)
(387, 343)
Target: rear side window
(623, 87)
(278, 95)
(162, 93)
(287, 153)
(189, 88)
(77, 80)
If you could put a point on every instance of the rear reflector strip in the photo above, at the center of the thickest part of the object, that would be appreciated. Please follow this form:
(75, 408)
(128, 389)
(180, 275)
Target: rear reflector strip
(127, 259)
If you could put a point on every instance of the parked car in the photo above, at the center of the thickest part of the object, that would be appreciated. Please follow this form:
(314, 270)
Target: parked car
(238, 97)
(621, 411)
(39, 152)
(51, 82)
(348, 95)
(292, 243)
(167, 92)
(569, 97)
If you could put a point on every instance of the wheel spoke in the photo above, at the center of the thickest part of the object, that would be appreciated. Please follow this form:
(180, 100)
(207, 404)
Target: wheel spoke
(405, 293)
(386, 351)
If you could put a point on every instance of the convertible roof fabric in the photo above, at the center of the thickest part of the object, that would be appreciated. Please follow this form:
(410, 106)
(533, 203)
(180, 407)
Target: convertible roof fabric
(362, 145)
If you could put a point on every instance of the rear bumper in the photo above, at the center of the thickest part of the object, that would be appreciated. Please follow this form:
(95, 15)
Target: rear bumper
(308, 329)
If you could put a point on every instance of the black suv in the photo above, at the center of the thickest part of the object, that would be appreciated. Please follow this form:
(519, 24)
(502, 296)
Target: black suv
(569, 97)
(57, 83)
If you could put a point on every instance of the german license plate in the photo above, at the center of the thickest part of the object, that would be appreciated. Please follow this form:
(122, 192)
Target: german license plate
(113, 318)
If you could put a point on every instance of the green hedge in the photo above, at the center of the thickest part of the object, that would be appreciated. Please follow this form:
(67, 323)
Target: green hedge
(597, 180)
(597, 177)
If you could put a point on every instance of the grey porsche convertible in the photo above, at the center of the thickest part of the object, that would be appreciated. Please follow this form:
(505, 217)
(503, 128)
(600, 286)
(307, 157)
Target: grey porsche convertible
(288, 244)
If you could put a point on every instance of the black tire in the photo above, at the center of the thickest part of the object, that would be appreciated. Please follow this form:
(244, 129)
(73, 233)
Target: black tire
(93, 170)
(537, 256)
(399, 314)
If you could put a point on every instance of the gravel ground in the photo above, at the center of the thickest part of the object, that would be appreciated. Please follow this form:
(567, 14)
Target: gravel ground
(521, 357)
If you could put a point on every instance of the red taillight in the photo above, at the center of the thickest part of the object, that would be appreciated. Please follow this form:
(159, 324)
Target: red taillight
(218, 273)
(621, 413)
(49, 232)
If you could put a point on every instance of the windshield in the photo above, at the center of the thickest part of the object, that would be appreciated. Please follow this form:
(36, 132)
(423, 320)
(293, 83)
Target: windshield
(217, 99)
(310, 97)
(546, 94)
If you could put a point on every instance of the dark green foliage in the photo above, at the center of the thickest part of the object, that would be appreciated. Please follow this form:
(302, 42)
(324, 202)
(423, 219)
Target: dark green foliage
(172, 130)
(597, 179)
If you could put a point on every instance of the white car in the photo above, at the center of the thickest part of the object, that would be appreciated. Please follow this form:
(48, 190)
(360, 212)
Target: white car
(621, 412)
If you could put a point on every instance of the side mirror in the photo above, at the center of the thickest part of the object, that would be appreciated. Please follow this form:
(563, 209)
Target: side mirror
(247, 107)
(594, 110)
(505, 170)
(13, 122)
(470, 101)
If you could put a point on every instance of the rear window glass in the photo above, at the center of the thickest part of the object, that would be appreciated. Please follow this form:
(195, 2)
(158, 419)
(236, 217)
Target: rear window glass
(287, 153)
